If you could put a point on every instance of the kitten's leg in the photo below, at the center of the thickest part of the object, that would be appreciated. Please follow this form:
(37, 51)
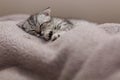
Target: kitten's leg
(57, 35)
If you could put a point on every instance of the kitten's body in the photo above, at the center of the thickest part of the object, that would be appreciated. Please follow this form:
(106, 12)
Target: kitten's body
(45, 26)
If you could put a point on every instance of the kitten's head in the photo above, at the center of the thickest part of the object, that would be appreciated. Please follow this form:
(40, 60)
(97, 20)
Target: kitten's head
(35, 22)
(42, 25)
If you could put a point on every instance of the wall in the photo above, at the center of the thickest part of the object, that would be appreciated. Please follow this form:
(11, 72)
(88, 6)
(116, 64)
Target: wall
(92, 10)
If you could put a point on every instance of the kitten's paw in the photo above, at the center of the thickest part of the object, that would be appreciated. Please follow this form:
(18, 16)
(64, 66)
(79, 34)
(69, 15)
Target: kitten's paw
(55, 36)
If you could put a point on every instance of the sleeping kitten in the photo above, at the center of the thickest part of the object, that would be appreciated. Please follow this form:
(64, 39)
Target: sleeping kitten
(44, 26)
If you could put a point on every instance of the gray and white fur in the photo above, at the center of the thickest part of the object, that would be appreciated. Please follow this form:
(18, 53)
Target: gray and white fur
(45, 26)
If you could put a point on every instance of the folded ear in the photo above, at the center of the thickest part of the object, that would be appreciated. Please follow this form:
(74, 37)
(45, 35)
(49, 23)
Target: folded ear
(20, 24)
(47, 11)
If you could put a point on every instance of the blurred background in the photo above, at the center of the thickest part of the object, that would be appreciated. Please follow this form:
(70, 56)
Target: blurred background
(100, 11)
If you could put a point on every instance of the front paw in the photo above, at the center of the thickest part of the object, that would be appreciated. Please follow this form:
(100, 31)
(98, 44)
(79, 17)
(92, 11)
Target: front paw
(55, 36)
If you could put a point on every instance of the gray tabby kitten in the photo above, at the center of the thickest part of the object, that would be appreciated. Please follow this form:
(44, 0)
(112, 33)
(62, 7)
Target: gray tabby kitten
(44, 26)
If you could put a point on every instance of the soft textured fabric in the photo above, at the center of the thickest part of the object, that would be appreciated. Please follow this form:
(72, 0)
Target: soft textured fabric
(111, 28)
(84, 53)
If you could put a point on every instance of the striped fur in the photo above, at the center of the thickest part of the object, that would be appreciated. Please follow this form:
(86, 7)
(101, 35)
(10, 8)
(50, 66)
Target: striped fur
(44, 26)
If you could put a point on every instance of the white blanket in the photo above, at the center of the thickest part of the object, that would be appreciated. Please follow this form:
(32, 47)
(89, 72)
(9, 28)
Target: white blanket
(80, 54)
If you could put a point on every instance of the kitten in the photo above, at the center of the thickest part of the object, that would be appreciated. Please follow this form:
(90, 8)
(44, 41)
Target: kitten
(44, 26)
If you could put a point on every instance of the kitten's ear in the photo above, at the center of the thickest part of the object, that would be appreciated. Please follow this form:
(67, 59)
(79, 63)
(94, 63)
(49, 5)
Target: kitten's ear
(20, 24)
(47, 11)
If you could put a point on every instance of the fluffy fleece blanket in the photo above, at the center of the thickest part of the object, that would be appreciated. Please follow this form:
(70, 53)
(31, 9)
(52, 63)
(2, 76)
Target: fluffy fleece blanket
(87, 52)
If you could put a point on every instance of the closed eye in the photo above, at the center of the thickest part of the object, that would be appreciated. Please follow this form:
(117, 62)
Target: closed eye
(31, 31)
(41, 25)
